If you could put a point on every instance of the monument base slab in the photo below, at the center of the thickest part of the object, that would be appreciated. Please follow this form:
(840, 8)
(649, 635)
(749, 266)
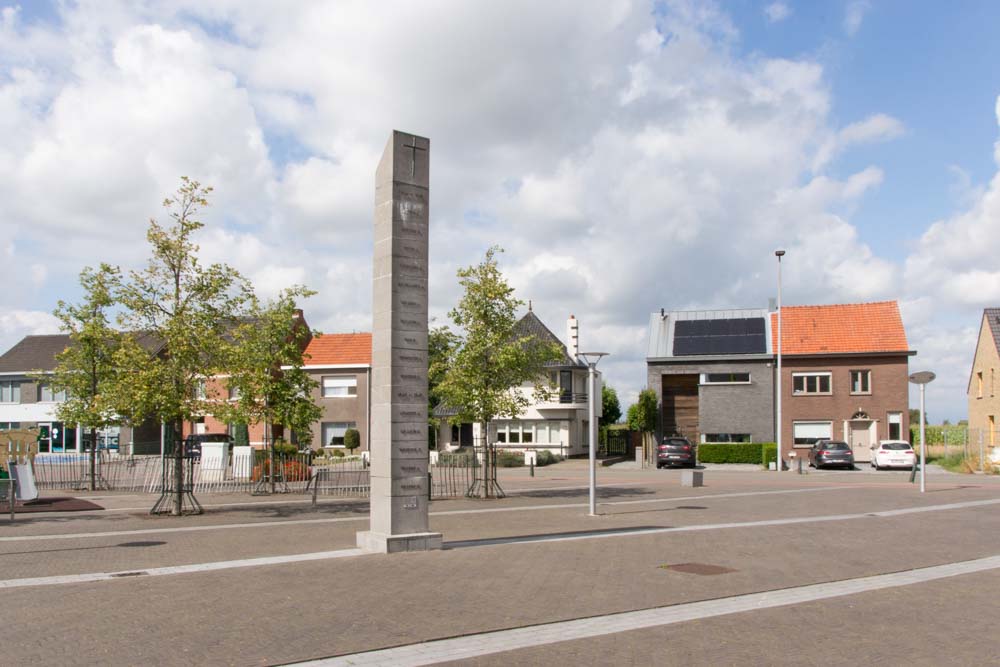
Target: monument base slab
(389, 544)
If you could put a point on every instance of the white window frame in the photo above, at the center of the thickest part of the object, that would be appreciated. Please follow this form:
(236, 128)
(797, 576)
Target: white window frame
(894, 419)
(817, 374)
(342, 427)
(233, 393)
(8, 389)
(53, 396)
(705, 378)
(863, 373)
(816, 424)
(332, 382)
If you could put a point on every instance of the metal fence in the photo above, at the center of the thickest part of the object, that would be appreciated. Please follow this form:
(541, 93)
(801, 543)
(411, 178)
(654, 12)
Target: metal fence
(346, 477)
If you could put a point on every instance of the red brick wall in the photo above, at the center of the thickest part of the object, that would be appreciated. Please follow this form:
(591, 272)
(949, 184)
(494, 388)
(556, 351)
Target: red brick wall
(889, 386)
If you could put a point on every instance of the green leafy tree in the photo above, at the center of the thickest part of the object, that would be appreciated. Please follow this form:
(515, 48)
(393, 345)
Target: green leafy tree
(642, 417)
(190, 309)
(441, 343)
(491, 361)
(265, 368)
(610, 407)
(352, 439)
(241, 435)
(86, 369)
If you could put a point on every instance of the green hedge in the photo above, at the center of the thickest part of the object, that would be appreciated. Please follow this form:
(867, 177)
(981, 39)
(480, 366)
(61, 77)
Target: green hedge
(729, 452)
(769, 450)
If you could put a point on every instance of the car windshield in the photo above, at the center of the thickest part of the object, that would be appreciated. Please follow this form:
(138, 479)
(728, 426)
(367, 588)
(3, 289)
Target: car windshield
(835, 445)
(896, 446)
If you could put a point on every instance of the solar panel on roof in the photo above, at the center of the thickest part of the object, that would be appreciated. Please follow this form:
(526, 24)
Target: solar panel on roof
(712, 337)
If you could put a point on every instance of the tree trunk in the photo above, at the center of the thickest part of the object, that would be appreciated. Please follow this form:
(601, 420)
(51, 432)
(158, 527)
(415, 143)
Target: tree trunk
(93, 459)
(178, 470)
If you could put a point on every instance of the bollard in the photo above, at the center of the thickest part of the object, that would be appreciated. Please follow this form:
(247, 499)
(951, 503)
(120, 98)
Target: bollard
(800, 466)
(913, 471)
(532, 467)
(430, 486)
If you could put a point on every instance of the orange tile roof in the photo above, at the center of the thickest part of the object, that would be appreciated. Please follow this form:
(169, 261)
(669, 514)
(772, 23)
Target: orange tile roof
(339, 349)
(839, 329)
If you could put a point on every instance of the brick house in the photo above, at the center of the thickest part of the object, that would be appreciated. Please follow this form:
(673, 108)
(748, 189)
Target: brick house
(984, 400)
(342, 365)
(844, 376)
(712, 374)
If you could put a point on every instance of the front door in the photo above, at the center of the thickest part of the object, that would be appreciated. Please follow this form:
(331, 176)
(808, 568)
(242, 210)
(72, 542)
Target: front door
(861, 441)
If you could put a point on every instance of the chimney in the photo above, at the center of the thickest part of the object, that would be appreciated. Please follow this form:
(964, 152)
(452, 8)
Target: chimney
(573, 336)
(772, 305)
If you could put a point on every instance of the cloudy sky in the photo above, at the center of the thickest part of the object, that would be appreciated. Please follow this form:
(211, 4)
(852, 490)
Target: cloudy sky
(628, 156)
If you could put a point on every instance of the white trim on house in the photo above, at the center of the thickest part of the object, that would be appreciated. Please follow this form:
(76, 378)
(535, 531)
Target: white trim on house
(320, 367)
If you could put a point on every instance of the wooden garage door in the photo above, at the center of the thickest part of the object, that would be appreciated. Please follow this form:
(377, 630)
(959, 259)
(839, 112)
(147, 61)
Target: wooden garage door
(680, 406)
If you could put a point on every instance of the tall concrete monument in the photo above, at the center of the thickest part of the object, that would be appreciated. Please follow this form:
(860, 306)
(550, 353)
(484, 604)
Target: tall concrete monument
(399, 484)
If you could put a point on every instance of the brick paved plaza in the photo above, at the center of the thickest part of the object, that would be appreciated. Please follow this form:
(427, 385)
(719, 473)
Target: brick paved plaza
(534, 558)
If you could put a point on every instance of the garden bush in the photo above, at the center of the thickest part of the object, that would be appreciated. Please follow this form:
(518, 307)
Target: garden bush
(459, 458)
(282, 448)
(730, 452)
(545, 457)
(770, 453)
(510, 459)
(352, 439)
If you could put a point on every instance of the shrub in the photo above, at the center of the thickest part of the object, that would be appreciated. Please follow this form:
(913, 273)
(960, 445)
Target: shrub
(510, 459)
(770, 453)
(352, 439)
(282, 448)
(295, 471)
(338, 453)
(730, 452)
(545, 457)
(459, 458)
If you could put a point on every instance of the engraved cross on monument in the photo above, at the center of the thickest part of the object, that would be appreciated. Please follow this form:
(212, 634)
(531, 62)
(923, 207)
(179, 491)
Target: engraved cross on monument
(399, 483)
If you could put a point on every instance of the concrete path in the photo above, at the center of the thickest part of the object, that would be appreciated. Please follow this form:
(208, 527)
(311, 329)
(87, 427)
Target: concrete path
(270, 581)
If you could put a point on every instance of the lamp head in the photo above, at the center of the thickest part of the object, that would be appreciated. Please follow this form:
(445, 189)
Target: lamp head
(779, 253)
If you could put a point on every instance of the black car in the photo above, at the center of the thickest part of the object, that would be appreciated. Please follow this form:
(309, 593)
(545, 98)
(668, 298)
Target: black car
(192, 443)
(675, 451)
(831, 453)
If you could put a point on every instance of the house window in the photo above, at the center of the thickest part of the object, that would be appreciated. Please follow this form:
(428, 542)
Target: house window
(807, 433)
(333, 433)
(979, 382)
(527, 432)
(810, 383)
(234, 393)
(10, 392)
(861, 382)
(725, 378)
(895, 425)
(46, 395)
(9, 426)
(726, 437)
(340, 386)
(199, 390)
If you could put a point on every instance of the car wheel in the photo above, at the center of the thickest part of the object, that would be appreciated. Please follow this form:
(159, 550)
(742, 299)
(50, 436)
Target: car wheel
(875, 464)
(658, 466)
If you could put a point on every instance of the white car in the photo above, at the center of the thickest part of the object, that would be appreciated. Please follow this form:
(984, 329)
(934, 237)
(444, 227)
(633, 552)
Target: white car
(893, 454)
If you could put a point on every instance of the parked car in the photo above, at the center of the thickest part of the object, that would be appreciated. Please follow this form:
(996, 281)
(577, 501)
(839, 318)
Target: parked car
(831, 453)
(893, 454)
(192, 443)
(675, 451)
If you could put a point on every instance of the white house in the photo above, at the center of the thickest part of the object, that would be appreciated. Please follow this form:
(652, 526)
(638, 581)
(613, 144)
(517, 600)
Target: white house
(559, 423)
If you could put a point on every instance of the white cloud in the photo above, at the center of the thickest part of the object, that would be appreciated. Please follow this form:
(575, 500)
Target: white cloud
(626, 159)
(777, 11)
(855, 15)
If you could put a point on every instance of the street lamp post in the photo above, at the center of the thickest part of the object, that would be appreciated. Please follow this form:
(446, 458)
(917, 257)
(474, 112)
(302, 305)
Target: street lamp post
(923, 378)
(591, 359)
(777, 417)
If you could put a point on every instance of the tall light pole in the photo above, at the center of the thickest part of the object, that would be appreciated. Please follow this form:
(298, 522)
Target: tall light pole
(777, 416)
(591, 359)
(922, 379)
